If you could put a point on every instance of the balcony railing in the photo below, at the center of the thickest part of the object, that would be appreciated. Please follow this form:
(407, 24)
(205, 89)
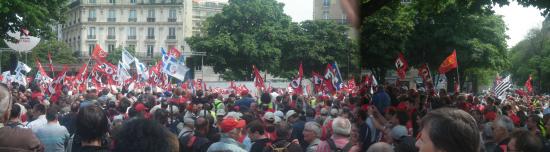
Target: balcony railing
(150, 37)
(132, 19)
(92, 19)
(131, 37)
(111, 19)
(171, 37)
(172, 19)
(91, 36)
(110, 37)
(150, 19)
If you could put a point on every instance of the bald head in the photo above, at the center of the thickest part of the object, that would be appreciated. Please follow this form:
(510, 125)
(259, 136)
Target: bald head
(380, 147)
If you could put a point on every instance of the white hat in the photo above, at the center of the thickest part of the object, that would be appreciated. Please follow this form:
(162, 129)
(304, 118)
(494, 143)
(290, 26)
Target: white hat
(279, 114)
(333, 111)
(398, 131)
(289, 113)
(188, 121)
(269, 116)
(236, 115)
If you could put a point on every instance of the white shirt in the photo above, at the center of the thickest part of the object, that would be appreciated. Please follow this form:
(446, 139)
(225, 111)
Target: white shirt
(38, 123)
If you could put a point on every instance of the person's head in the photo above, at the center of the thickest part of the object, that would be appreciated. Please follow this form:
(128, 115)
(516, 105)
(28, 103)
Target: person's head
(450, 130)
(39, 109)
(380, 147)
(524, 141)
(232, 127)
(189, 122)
(312, 131)
(341, 126)
(52, 115)
(91, 123)
(283, 130)
(291, 116)
(142, 135)
(15, 111)
(255, 130)
(502, 127)
(161, 116)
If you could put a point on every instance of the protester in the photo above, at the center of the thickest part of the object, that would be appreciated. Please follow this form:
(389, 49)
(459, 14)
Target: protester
(141, 135)
(91, 127)
(284, 142)
(502, 127)
(53, 136)
(523, 140)
(39, 110)
(340, 138)
(15, 117)
(256, 132)
(312, 133)
(231, 128)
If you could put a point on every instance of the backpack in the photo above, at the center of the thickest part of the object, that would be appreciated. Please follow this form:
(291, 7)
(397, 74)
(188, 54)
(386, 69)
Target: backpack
(333, 147)
(274, 148)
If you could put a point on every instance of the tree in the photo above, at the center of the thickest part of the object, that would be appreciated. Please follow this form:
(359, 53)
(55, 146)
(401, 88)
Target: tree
(316, 43)
(246, 33)
(116, 55)
(36, 16)
(60, 51)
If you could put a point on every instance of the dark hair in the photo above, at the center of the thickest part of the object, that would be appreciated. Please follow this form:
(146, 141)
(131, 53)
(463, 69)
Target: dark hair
(140, 135)
(91, 123)
(452, 130)
(75, 106)
(283, 130)
(123, 105)
(161, 116)
(52, 114)
(15, 111)
(266, 98)
(525, 141)
(40, 108)
(256, 126)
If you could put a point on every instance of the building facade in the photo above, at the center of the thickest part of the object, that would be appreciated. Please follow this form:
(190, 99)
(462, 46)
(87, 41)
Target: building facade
(145, 26)
(329, 10)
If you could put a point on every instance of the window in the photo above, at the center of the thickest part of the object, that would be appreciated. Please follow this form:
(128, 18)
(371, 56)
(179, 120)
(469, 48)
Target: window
(91, 33)
(91, 1)
(91, 15)
(110, 48)
(172, 33)
(112, 1)
(325, 14)
(172, 15)
(152, 1)
(151, 15)
(151, 33)
(150, 49)
(132, 33)
(112, 16)
(90, 49)
(132, 16)
(326, 3)
(133, 1)
(111, 33)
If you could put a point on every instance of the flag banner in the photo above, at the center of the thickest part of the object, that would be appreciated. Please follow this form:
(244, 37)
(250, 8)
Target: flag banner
(174, 52)
(20, 78)
(401, 65)
(317, 80)
(99, 55)
(424, 73)
(141, 70)
(449, 63)
(172, 68)
(528, 85)
(22, 67)
(441, 82)
(81, 75)
(127, 59)
(339, 82)
(258, 80)
(296, 84)
(330, 78)
(122, 74)
(105, 68)
(502, 87)
(41, 75)
(6, 77)
(51, 63)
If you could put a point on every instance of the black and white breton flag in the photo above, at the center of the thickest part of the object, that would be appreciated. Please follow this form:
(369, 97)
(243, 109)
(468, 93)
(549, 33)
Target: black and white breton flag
(501, 88)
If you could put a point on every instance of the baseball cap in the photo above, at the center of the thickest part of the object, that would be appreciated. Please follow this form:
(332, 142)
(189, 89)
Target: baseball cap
(324, 111)
(269, 116)
(279, 114)
(140, 107)
(220, 112)
(231, 123)
(289, 114)
(398, 132)
(188, 121)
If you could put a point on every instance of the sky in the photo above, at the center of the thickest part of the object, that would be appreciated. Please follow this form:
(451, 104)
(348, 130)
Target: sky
(519, 20)
(299, 10)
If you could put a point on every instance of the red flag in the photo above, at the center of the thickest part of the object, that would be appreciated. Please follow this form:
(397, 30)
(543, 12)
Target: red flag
(401, 65)
(51, 63)
(329, 76)
(40, 68)
(449, 63)
(174, 52)
(528, 84)
(296, 84)
(424, 73)
(258, 80)
(317, 81)
(99, 54)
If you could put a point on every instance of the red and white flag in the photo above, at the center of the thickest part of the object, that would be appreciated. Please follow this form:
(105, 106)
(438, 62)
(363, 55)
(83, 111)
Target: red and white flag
(401, 65)
(99, 54)
(258, 80)
(296, 84)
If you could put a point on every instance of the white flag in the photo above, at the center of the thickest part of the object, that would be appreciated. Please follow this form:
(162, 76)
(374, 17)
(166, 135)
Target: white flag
(122, 73)
(140, 69)
(127, 58)
(441, 82)
(174, 69)
(20, 78)
(7, 77)
(22, 67)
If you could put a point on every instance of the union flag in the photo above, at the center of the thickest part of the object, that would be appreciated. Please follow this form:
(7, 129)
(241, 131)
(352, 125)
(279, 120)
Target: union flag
(449, 63)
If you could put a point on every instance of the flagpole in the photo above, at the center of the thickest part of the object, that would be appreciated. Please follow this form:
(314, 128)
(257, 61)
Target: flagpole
(457, 79)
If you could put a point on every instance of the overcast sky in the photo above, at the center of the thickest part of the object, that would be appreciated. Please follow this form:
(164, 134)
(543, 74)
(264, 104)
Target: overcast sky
(519, 21)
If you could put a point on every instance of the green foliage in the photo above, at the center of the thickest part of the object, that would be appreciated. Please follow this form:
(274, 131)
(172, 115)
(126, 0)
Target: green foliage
(38, 16)
(60, 51)
(116, 55)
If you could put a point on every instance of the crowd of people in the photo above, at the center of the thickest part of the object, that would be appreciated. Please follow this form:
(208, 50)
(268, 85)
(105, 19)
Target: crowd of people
(389, 119)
